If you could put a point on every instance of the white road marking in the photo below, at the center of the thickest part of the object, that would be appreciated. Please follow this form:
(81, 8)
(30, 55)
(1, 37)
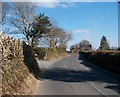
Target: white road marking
(91, 84)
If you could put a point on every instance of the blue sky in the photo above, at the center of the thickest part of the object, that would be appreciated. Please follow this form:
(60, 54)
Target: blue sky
(85, 20)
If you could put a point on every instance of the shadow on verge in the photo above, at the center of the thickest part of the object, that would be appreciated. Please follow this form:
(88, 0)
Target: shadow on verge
(30, 61)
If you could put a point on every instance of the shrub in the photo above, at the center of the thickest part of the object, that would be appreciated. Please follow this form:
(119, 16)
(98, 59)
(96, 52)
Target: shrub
(41, 52)
(61, 50)
(106, 59)
(50, 52)
(118, 48)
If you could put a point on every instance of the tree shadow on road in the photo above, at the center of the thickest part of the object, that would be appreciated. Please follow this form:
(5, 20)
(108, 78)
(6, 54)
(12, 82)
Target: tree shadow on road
(64, 75)
(60, 74)
(104, 76)
(75, 76)
(108, 77)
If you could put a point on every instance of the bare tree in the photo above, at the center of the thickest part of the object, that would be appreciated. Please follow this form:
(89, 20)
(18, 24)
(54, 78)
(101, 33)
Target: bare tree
(85, 45)
(5, 10)
(0, 17)
(22, 15)
(64, 38)
(74, 48)
(56, 38)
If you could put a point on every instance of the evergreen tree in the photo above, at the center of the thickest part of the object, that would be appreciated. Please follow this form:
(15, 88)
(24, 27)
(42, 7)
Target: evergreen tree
(104, 44)
(40, 26)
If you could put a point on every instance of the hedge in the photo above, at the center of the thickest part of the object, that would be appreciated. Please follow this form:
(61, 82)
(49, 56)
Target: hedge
(107, 59)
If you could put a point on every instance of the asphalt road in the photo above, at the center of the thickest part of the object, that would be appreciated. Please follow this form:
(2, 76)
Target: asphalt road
(71, 76)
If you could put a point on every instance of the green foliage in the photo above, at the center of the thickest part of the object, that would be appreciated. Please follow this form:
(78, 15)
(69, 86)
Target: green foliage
(49, 53)
(41, 25)
(104, 44)
(41, 52)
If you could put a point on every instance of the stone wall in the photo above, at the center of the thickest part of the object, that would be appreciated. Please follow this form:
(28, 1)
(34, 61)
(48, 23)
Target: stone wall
(15, 65)
(11, 48)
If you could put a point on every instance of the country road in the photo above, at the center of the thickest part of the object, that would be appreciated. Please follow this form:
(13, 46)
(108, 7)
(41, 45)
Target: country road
(71, 76)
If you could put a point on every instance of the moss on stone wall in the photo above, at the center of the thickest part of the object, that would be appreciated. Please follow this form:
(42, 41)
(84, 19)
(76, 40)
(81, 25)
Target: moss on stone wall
(18, 63)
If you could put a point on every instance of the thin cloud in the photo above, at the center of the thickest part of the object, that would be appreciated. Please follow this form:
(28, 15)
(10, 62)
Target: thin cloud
(55, 4)
(47, 4)
(67, 4)
(80, 31)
